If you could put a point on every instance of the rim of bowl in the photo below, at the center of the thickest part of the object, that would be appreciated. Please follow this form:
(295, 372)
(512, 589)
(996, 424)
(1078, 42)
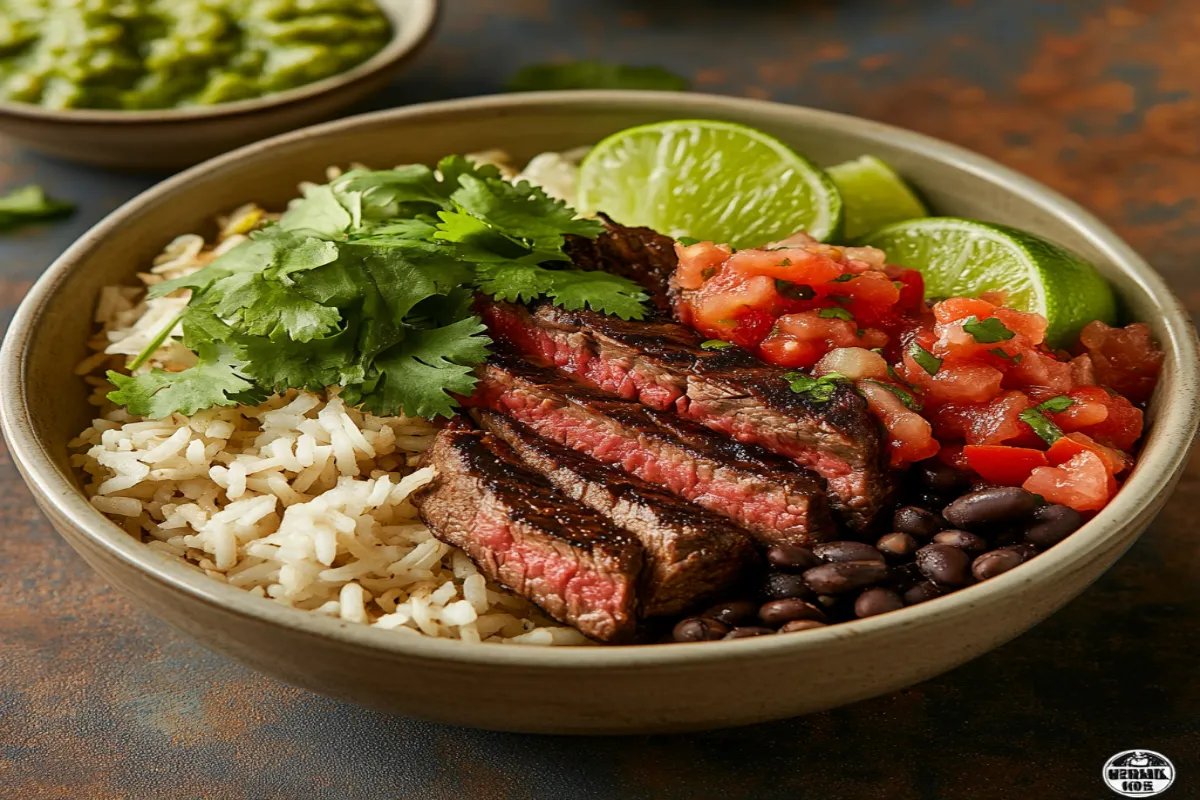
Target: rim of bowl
(410, 32)
(1163, 458)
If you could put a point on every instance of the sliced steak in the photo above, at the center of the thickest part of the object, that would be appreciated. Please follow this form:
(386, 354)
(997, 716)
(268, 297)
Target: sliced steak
(662, 365)
(691, 553)
(566, 558)
(640, 254)
(770, 497)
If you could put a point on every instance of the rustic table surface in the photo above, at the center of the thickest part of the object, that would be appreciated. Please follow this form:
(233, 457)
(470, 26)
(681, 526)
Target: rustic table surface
(1099, 99)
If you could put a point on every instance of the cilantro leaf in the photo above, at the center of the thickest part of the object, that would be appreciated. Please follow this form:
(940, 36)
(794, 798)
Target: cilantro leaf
(1036, 418)
(319, 211)
(925, 359)
(30, 204)
(594, 75)
(688, 241)
(269, 308)
(212, 381)
(600, 291)
(835, 313)
(845, 276)
(522, 211)
(716, 344)
(418, 374)
(1000, 352)
(988, 331)
(820, 389)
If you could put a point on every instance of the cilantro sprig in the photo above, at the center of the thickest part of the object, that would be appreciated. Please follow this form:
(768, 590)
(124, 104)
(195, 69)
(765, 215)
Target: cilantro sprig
(820, 389)
(1036, 418)
(367, 283)
(987, 331)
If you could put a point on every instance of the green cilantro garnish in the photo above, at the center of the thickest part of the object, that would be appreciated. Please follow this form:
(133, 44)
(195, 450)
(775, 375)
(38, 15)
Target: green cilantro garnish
(688, 241)
(30, 204)
(594, 75)
(1000, 352)
(787, 262)
(925, 359)
(716, 344)
(366, 283)
(835, 313)
(908, 398)
(987, 331)
(1036, 418)
(794, 291)
(845, 276)
(819, 390)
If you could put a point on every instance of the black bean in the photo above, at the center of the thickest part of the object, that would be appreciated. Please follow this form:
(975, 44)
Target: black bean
(904, 576)
(845, 576)
(779, 585)
(945, 564)
(698, 629)
(939, 476)
(746, 631)
(989, 565)
(897, 546)
(736, 612)
(992, 506)
(1025, 551)
(777, 612)
(791, 558)
(963, 540)
(915, 521)
(1052, 524)
(826, 601)
(847, 551)
(922, 592)
(877, 601)
(797, 625)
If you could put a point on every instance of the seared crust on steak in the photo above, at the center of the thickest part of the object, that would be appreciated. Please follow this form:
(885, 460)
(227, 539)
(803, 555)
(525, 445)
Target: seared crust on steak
(569, 560)
(691, 554)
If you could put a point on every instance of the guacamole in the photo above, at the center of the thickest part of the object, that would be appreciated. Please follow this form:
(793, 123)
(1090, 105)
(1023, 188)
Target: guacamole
(144, 54)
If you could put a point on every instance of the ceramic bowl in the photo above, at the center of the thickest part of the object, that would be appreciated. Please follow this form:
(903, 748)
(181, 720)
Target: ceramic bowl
(173, 138)
(591, 689)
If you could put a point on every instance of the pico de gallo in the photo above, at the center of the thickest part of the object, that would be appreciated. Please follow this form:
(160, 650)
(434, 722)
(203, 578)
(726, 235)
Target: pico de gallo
(965, 380)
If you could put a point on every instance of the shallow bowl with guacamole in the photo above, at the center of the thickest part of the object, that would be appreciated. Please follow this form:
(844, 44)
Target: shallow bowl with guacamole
(165, 84)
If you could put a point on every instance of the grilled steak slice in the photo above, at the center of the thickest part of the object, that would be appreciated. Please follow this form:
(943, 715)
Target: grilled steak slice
(662, 365)
(770, 497)
(573, 563)
(640, 254)
(691, 554)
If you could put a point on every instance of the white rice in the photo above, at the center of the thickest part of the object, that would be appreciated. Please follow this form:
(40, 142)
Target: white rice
(301, 499)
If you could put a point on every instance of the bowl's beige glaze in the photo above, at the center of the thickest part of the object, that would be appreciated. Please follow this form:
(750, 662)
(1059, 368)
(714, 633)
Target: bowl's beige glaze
(572, 690)
(173, 138)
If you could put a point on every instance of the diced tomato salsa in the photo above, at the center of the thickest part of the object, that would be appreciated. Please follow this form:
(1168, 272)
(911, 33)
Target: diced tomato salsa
(964, 379)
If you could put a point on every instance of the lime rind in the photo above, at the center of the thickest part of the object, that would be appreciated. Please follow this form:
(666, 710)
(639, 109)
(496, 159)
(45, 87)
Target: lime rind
(874, 195)
(965, 258)
(709, 179)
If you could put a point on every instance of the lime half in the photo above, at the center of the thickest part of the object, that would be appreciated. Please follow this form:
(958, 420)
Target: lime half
(709, 180)
(965, 258)
(874, 195)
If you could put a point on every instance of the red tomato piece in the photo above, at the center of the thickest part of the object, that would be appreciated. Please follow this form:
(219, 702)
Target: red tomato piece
(1072, 444)
(1124, 358)
(1007, 466)
(1082, 482)
(1109, 419)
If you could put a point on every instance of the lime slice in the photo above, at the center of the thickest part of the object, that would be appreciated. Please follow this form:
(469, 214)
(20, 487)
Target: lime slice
(965, 258)
(874, 195)
(709, 180)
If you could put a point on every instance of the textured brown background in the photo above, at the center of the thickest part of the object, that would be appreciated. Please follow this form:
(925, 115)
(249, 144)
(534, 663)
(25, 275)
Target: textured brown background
(1101, 100)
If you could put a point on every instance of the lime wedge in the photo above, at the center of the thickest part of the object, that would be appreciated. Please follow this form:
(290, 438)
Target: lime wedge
(965, 258)
(874, 195)
(709, 180)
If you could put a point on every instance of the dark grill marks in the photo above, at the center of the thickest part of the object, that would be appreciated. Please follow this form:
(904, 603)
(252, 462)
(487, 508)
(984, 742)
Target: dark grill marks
(771, 498)
(640, 254)
(662, 365)
(566, 558)
(691, 554)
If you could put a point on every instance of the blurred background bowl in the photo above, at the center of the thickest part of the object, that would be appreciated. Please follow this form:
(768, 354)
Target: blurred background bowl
(645, 688)
(179, 137)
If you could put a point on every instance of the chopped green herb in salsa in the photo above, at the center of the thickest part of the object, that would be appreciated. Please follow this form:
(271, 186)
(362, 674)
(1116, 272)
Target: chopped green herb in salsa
(146, 54)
